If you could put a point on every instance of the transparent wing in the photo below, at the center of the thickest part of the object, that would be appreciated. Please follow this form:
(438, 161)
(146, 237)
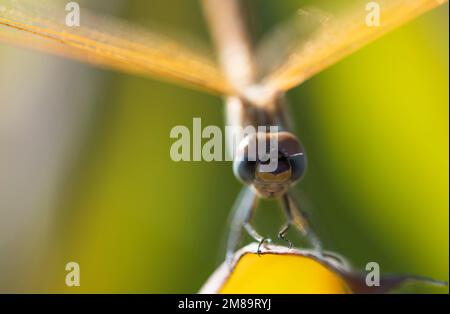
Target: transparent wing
(108, 42)
(313, 40)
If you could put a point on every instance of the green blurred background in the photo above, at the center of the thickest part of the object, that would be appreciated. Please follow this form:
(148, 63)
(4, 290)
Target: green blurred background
(375, 127)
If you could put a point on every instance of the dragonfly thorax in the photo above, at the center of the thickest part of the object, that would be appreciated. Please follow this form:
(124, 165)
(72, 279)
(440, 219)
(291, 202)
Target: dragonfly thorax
(259, 95)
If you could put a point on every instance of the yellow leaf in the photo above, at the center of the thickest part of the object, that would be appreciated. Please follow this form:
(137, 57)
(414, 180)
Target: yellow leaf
(279, 269)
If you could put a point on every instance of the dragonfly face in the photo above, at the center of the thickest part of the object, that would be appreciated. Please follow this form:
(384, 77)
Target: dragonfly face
(290, 166)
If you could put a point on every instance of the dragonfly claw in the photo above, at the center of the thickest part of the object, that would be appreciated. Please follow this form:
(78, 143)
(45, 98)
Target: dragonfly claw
(261, 242)
(282, 236)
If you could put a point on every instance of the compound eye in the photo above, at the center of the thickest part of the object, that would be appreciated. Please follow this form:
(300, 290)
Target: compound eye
(244, 170)
(298, 166)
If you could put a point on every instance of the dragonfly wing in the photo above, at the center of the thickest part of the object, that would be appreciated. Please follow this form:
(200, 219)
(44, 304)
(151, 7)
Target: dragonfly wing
(313, 40)
(108, 42)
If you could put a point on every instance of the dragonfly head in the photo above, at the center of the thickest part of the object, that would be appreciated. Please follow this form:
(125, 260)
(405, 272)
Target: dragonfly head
(271, 173)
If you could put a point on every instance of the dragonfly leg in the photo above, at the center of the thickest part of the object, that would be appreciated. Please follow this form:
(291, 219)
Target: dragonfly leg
(255, 235)
(282, 233)
(243, 210)
(298, 220)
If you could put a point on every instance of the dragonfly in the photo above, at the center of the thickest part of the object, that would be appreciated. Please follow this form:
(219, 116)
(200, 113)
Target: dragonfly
(252, 78)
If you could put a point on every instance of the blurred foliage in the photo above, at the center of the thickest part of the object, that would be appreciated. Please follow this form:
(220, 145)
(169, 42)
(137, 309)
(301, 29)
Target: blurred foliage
(375, 127)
